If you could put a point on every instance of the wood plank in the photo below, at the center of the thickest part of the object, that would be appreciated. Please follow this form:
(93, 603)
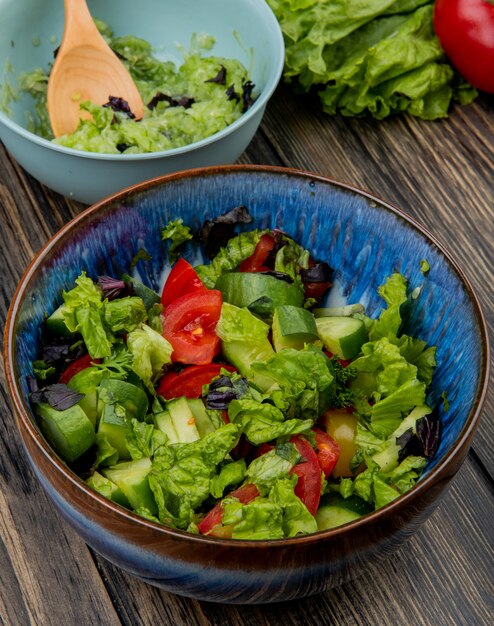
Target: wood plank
(443, 576)
(441, 173)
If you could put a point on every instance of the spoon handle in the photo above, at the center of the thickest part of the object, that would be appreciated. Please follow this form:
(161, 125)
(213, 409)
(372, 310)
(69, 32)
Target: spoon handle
(79, 24)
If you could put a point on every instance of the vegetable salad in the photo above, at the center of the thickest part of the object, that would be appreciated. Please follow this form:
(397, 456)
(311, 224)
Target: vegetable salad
(184, 104)
(233, 403)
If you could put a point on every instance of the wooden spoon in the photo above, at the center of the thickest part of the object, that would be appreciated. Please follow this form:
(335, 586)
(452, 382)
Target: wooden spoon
(85, 69)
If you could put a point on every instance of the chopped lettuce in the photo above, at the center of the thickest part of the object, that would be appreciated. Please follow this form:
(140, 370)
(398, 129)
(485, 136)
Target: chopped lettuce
(230, 474)
(304, 378)
(151, 351)
(124, 314)
(182, 104)
(177, 234)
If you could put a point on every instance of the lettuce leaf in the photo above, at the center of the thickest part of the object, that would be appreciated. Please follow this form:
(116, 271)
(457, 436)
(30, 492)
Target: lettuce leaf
(377, 56)
(261, 421)
(304, 378)
(151, 351)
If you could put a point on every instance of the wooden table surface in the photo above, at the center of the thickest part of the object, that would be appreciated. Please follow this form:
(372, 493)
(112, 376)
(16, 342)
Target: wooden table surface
(441, 173)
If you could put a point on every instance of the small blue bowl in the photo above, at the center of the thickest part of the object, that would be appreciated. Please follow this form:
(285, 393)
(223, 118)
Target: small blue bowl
(365, 239)
(30, 30)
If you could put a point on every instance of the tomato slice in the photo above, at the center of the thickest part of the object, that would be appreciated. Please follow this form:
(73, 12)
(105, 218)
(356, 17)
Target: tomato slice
(308, 487)
(328, 451)
(77, 366)
(183, 279)
(255, 262)
(190, 326)
(243, 494)
(190, 381)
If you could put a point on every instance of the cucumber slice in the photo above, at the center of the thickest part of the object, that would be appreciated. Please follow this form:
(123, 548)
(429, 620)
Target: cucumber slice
(204, 424)
(259, 292)
(343, 336)
(132, 478)
(56, 323)
(108, 489)
(163, 422)
(293, 327)
(70, 432)
(115, 427)
(339, 311)
(335, 511)
(132, 398)
(183, 420)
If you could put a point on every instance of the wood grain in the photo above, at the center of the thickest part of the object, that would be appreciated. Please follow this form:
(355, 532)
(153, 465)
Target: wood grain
(442, 174)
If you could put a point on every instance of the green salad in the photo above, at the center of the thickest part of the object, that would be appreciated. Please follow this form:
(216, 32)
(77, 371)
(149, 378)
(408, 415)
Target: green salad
(184, 104)
(234, 403)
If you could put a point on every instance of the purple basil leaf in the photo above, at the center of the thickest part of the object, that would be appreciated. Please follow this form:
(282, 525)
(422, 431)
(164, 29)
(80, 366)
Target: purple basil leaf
(428, 430)
(223, 390)
(58, 396)
(410, 445)
(320, 273)
(247, 98)
(220, 77)
(216, 233)
(232, 94)
(182, 101)
(119, 105)
(32, 384)
(113, 288)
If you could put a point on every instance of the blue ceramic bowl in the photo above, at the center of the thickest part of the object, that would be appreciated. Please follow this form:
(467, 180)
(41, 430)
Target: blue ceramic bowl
(30, 31)
(365, 239)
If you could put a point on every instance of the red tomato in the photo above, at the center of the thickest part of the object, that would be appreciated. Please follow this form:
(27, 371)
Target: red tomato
(190, 326)
(308, 487)
(255, 262)
(316, 290)
(190, 381)
(465, 29)
(244, 494)
(182, 279)
(328, 451)
(77, 366)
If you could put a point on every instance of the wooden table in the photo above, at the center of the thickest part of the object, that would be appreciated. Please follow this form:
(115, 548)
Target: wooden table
(441, 173)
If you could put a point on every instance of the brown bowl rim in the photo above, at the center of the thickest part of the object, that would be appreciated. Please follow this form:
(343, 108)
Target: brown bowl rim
(436, 474)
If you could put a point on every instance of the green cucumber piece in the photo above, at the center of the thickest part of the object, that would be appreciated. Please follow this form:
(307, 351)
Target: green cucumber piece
(334, 510)
(293, 327)
(204, 424)
(147, 295)
(163, 422)
(132, 478)
(70, 432)
(108, 489)
(132, 398)
(260, 293)
(56, 323)
(343, 336)
(183, 420)
(87, 381)
(339, 311)
(115, 427)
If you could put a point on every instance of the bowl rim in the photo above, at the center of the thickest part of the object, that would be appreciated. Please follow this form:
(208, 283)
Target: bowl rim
(439, 472)
(272, 81)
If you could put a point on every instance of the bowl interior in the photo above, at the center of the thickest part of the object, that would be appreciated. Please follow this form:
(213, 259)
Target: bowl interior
(245, 29)
(362, 239)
